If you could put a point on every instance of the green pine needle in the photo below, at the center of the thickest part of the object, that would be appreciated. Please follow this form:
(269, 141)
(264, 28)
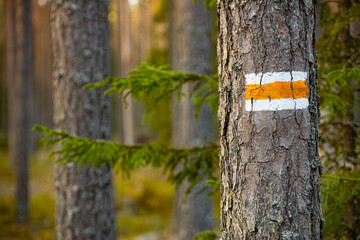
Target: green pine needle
(126, 158)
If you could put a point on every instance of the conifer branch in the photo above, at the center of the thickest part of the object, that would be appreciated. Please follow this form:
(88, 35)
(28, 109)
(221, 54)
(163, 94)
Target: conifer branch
(126, 158)
(159, 82)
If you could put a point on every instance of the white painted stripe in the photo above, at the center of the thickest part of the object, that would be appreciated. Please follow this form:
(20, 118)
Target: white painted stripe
(276, 104)
(271, 77)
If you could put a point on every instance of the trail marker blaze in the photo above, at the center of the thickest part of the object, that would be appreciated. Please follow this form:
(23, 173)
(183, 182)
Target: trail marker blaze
(276, 91)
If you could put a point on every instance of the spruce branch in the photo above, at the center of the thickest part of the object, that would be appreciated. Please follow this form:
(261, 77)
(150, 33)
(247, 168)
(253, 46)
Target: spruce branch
(159, 82)
(126, 158)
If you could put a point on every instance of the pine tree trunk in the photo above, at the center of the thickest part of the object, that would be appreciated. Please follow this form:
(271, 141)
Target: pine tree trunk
(191, 48)
(20, 80)
(268, 115)
(126, 64)
(3, 67)
(43, 104)
(80, 45)
(349, 130)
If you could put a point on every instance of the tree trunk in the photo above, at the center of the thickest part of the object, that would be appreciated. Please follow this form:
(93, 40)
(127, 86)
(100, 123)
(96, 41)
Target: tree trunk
(20, 80)
(3, 92)
(80, 45)
(355, 33)
(42, 70)
(3, 67)
(126, 64)
(349, 130)
(268, 115)
(191, 48)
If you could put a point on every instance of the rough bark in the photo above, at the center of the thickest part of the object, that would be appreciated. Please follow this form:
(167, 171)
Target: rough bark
(270, 169)
(20, 80)
(80, 45)
(190, 52)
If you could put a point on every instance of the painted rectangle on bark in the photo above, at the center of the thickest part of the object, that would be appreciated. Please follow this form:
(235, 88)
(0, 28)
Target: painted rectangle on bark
(276, 91)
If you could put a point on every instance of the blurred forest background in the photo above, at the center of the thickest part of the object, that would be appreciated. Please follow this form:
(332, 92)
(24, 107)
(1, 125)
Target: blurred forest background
(140, 30)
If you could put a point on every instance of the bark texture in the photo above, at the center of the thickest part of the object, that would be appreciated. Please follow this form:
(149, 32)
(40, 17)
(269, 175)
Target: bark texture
(20, 79)
(191, 53)
(270, 169)
(80, 45)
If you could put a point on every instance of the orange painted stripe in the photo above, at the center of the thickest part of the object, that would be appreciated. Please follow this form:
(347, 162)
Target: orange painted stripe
(277, 90)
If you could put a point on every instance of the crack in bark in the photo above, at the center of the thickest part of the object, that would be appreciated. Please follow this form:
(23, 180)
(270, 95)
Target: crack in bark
(273, 155)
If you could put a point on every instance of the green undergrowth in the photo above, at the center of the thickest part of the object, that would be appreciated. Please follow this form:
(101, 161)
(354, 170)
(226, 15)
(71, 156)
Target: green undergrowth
(3, 142)
(143, 202)
(340, 204)
(42, 201)
(41, 224)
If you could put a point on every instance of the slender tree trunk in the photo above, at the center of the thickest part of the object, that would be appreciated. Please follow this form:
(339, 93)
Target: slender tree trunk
(268, 114)
(349, 130)
(20, 80)
(191, 48)
(126, 64)
(144, 27)
(349, 133)
(42, 61)
(80, 45)
(355, 33)
(3, 70)
(42, 95)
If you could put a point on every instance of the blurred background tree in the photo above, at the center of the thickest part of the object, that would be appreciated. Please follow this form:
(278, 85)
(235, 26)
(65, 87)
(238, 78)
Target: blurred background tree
(80, 48)
(191, 52)
(19, 76)
(338, 46)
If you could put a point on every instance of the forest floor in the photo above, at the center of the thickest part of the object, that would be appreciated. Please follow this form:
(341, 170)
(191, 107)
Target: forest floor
(143, 203)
